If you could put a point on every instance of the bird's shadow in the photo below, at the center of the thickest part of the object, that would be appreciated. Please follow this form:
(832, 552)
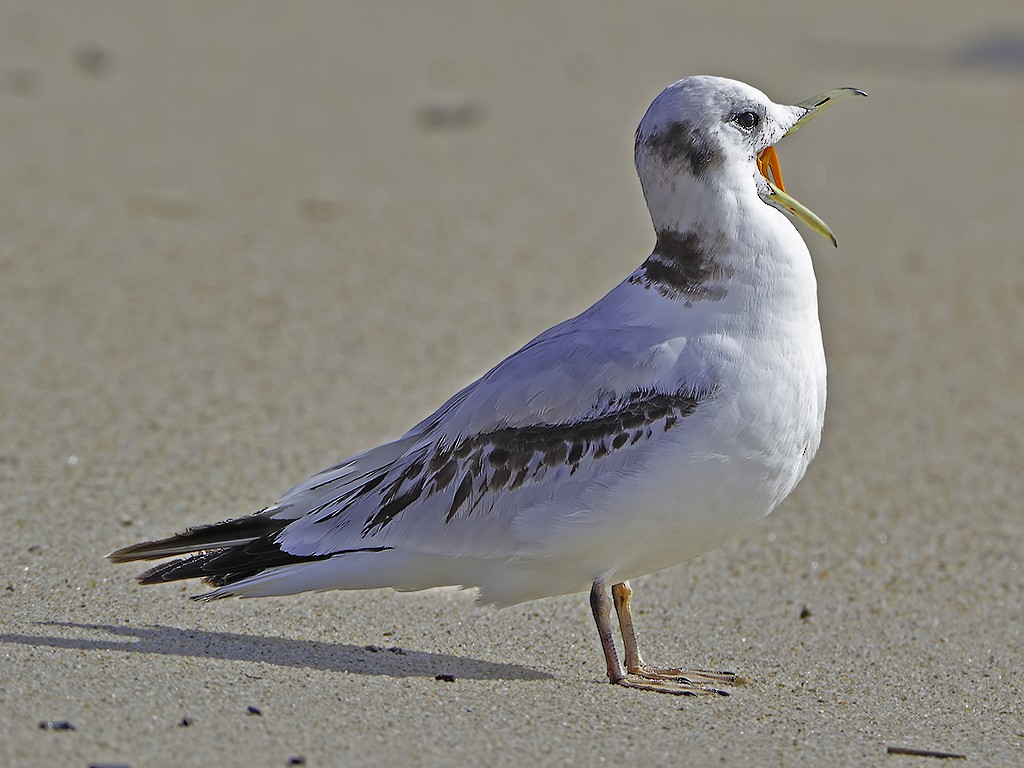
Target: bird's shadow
(279, 651)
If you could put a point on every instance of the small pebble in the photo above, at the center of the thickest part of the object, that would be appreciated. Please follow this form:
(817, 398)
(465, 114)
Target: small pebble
(56, 725)
(296, 760)
(253, 710)
(185, 722)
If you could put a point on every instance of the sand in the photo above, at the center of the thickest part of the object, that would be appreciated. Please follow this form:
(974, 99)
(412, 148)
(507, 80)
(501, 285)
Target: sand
(240, 241)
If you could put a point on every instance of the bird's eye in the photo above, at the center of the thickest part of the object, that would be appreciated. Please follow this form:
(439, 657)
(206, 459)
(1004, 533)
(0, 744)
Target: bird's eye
(748, 121)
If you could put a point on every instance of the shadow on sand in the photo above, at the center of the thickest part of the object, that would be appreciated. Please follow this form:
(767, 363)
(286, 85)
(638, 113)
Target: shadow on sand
(280, 651)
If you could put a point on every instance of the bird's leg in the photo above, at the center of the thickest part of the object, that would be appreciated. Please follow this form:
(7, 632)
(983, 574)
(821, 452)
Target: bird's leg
(602, 608)
(622, 594)
(639, 675)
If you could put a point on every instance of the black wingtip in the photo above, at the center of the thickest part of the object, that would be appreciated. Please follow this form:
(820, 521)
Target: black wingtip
(222, 535)
(134, 552)
(182, 568)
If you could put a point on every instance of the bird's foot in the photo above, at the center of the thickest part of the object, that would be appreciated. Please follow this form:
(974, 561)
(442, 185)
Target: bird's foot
(678, 682)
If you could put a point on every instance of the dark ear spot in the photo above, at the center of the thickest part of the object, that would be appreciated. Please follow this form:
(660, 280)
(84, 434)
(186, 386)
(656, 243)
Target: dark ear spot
(679, 142)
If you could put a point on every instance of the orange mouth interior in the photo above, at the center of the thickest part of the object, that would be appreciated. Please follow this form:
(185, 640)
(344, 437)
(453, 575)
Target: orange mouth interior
(768, 160)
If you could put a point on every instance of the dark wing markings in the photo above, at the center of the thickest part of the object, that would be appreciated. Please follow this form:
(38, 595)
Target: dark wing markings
(505, 459)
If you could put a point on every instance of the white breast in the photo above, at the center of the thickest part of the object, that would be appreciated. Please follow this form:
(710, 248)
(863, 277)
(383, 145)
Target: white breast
(735, 459)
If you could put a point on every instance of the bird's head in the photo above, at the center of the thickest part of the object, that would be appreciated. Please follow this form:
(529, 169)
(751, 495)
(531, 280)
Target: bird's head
(709, 132)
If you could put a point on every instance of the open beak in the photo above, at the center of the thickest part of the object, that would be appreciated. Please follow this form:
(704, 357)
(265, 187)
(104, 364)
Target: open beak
(768, 163)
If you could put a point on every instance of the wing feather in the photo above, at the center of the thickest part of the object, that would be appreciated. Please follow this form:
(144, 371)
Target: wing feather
(575, 406)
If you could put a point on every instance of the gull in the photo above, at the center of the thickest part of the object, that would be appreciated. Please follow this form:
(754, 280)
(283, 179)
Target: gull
(683, 406)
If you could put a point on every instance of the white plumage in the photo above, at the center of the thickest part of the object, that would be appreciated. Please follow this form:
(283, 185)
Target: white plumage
(678, 409)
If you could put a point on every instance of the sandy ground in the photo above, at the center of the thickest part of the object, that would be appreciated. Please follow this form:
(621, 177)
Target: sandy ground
(241, 241)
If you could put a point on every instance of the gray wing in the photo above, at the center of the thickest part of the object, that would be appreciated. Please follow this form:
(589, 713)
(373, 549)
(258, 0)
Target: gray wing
(579, 403)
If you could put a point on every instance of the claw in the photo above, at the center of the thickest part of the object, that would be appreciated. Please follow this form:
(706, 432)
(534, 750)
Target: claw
(673, 687)
(636, 674)
(691, 676)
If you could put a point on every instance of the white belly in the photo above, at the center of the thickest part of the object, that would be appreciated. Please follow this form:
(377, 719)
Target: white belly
(731, 463)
